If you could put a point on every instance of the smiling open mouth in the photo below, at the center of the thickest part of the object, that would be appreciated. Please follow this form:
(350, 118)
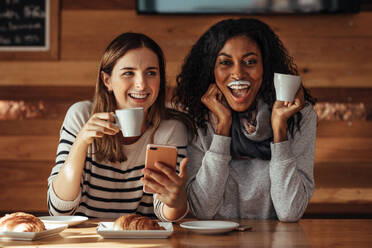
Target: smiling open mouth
(239, 88)
(137, 95)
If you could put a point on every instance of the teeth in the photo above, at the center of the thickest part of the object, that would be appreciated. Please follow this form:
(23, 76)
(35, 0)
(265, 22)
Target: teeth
(138, 95)
(238, 85)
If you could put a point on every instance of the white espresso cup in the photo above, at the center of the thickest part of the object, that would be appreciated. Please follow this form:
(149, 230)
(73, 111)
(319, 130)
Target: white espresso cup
(130, 121)
(286, 86)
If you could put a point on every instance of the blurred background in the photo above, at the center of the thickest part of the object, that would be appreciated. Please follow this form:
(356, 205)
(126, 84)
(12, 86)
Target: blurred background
(331, 45)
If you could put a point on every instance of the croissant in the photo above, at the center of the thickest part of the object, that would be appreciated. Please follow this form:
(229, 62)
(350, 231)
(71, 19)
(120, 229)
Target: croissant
(21, 222)
(136, 222)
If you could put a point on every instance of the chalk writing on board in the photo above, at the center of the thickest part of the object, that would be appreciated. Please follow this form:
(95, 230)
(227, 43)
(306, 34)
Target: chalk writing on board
(24, 25)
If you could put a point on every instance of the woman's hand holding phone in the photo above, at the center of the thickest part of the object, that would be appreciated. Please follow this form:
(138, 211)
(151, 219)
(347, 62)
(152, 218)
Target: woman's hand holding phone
(170, 188)
(168, 185)
(162, 179)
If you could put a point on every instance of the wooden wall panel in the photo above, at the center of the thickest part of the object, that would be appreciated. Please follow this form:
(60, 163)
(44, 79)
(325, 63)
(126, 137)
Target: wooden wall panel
(342, 187)
(343, 129)
(175, 32)
(23, 186)
(342, 195)
(50, 94)
(338, 210)
(337, 74)
(59, 73)
(85, 74)
(62, 73)
(330, 50)
(349, 94)
(35, 127)
(337, 149)
(28, 148)
(343, 168)
(340, 174)
(319, 37)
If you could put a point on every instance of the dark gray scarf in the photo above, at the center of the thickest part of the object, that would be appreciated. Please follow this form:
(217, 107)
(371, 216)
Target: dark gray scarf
(251, 132)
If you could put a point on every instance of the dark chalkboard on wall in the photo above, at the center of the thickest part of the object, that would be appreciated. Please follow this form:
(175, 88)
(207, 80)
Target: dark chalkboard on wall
(29, 29)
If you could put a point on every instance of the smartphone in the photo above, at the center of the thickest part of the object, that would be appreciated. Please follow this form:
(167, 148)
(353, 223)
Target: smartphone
(161, 153)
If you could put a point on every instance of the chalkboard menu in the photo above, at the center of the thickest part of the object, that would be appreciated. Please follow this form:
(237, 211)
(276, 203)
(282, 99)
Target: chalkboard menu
(24, 25)
(29, 29)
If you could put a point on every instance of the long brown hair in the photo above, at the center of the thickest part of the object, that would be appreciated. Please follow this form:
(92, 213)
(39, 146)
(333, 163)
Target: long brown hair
(109, 147)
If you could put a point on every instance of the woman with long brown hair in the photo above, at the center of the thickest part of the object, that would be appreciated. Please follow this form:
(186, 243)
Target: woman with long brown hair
(98, 172)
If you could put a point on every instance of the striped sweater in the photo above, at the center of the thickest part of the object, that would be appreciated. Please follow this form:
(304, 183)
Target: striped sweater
(107, 189)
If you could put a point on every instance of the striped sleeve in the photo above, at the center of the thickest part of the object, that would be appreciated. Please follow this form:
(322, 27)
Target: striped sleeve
(75, 118)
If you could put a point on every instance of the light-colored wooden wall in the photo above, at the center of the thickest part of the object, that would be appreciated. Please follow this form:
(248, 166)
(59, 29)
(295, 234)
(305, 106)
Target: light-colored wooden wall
(332, 52)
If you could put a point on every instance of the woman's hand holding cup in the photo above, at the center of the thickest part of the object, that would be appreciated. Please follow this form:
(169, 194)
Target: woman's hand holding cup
(282, 111)
(289, 99)
(97, 126)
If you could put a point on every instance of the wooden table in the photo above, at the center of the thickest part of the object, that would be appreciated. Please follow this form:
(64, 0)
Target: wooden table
(264, 233)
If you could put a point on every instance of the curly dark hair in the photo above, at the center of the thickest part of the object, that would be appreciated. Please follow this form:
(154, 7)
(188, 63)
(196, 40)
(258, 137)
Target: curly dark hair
(198, 69)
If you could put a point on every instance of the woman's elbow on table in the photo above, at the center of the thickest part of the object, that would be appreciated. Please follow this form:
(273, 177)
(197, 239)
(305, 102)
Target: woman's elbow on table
(289, 218)
(290, 214)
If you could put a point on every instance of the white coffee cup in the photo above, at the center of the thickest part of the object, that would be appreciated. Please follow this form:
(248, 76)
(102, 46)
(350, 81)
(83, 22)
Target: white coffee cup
(286, 86)
(130, 121)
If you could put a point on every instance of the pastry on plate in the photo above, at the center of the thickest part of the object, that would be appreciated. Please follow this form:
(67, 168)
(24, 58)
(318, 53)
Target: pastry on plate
(21, 222)
(136, 222)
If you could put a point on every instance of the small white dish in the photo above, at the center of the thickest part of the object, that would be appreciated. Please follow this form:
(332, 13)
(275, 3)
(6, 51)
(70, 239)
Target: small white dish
(51, 229)
(210, 226)
(106, 230)
(69, 220)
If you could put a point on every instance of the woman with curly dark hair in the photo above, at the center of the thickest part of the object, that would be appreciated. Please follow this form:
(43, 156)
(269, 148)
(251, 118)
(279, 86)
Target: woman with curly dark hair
(253, 156)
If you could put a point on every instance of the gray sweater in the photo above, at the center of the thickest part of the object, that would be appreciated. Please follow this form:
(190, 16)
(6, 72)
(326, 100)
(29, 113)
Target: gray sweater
(220, 187)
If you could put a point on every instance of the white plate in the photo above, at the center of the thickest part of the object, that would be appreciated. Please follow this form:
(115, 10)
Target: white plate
(210, 226)
(51, 229)
(69, 220)
(106, 230)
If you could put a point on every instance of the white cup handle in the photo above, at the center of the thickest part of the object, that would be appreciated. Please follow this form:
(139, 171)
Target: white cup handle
(117, 123)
